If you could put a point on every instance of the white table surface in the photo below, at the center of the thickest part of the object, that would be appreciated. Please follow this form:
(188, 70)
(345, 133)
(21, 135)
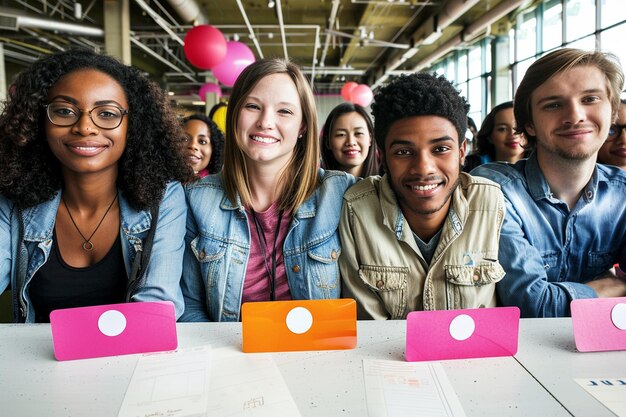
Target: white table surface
(548, 351)
(323, 383)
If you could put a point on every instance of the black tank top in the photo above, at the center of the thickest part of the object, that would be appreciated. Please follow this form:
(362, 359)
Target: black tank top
(58, 285)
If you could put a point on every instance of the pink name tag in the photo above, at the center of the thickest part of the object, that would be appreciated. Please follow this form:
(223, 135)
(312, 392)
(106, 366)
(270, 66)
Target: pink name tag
(599, 323)
(462, 334)
(114, 329)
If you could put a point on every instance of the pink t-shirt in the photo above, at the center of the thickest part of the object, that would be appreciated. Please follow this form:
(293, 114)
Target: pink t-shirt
(256, 286)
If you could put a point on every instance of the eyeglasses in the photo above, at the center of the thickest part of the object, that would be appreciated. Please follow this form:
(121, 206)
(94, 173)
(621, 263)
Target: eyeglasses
(65, 114)
(615, 130)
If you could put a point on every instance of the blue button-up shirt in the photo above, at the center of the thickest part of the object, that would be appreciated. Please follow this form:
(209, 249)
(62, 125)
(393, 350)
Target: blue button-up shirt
(549, 251)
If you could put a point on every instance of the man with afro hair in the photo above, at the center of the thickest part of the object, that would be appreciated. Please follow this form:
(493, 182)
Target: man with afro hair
(425, 235)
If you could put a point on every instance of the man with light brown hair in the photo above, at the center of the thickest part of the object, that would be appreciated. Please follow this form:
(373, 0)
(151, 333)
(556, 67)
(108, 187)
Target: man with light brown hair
(565, 225)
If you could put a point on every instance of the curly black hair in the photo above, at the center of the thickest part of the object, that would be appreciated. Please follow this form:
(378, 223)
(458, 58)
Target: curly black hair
(420, 94)
(30, 173)
(217, 142)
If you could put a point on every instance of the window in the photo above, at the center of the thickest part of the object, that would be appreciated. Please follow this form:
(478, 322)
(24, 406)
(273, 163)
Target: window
(475, 61)
(475, 94)
(537, 30)
(611, 12)
(526, 36)
(612, 40)
(451, 69)
(520, 70)
(552, 35)
(587, 43)
(580, 18)
(462, 70)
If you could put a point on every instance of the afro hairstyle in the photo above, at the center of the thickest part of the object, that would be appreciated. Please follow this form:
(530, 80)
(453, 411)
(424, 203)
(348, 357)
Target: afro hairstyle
(419, 94)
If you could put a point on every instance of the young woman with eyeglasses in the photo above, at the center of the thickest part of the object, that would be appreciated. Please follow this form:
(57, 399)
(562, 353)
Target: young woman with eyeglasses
(90, 153)
(613, 152)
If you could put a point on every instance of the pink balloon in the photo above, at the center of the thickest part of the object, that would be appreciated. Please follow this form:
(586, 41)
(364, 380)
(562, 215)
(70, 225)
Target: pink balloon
(347, 89)
(362, 95)
(238, 57)
(209, 88)
(205, 46)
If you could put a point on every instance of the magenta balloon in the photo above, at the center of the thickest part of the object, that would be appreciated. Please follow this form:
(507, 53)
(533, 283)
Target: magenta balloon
(238, 57)
(209, 88)
(205, 46)
(347, 89)
(362, 95)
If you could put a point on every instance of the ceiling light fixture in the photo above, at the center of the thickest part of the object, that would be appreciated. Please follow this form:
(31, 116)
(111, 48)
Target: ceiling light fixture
(78, 11)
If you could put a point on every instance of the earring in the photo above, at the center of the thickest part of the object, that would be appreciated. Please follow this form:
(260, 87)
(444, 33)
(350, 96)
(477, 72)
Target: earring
(300, 136)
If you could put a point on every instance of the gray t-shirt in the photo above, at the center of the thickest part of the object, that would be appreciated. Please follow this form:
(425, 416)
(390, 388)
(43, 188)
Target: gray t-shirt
(427, 249)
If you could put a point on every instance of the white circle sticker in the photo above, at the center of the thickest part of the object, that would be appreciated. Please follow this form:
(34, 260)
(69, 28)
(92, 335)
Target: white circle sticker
(462, 327)
(299, 320)
(618, 316)
(112, 323)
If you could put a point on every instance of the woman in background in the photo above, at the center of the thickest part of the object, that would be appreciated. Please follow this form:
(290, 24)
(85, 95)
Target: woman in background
(348, 141)
(90, 160)
(497, 140)
(265, 228)
(204, 144)
(613, 152)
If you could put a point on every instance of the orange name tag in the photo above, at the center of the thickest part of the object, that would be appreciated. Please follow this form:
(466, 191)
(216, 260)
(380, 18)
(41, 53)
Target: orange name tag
(282, 326)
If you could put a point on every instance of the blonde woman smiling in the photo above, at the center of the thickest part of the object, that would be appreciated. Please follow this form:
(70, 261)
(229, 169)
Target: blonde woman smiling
(265, 228)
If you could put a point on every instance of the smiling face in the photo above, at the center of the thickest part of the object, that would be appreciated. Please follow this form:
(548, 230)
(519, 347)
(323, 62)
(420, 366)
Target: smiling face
(424, 160)
(507, 143)
(270, 121)
(613, 152)
(571, 114)
(198, 140)
(350, 141)
(84, 147)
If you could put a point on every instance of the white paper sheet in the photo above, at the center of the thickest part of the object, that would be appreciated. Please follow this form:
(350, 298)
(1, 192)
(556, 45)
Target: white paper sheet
(406, 389)
(248, 385)
(199, 382)
(169, 384)
(611, 392)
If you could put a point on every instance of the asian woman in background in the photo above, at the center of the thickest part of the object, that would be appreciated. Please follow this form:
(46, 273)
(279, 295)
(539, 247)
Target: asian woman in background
(348, 141)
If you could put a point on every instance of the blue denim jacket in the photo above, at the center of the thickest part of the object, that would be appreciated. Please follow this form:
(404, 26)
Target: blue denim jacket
(163, 271)
(218, 246)
(548, 252)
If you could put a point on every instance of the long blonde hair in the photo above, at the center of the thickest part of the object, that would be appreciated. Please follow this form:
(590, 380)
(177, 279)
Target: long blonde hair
(299, 179)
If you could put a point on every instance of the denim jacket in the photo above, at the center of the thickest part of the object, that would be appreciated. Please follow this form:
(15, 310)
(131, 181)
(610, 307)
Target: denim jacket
(548, 251)
(218, 247)
(163, 271)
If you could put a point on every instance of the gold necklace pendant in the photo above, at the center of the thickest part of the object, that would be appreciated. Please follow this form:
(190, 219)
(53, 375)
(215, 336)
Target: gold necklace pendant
(88, 246)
